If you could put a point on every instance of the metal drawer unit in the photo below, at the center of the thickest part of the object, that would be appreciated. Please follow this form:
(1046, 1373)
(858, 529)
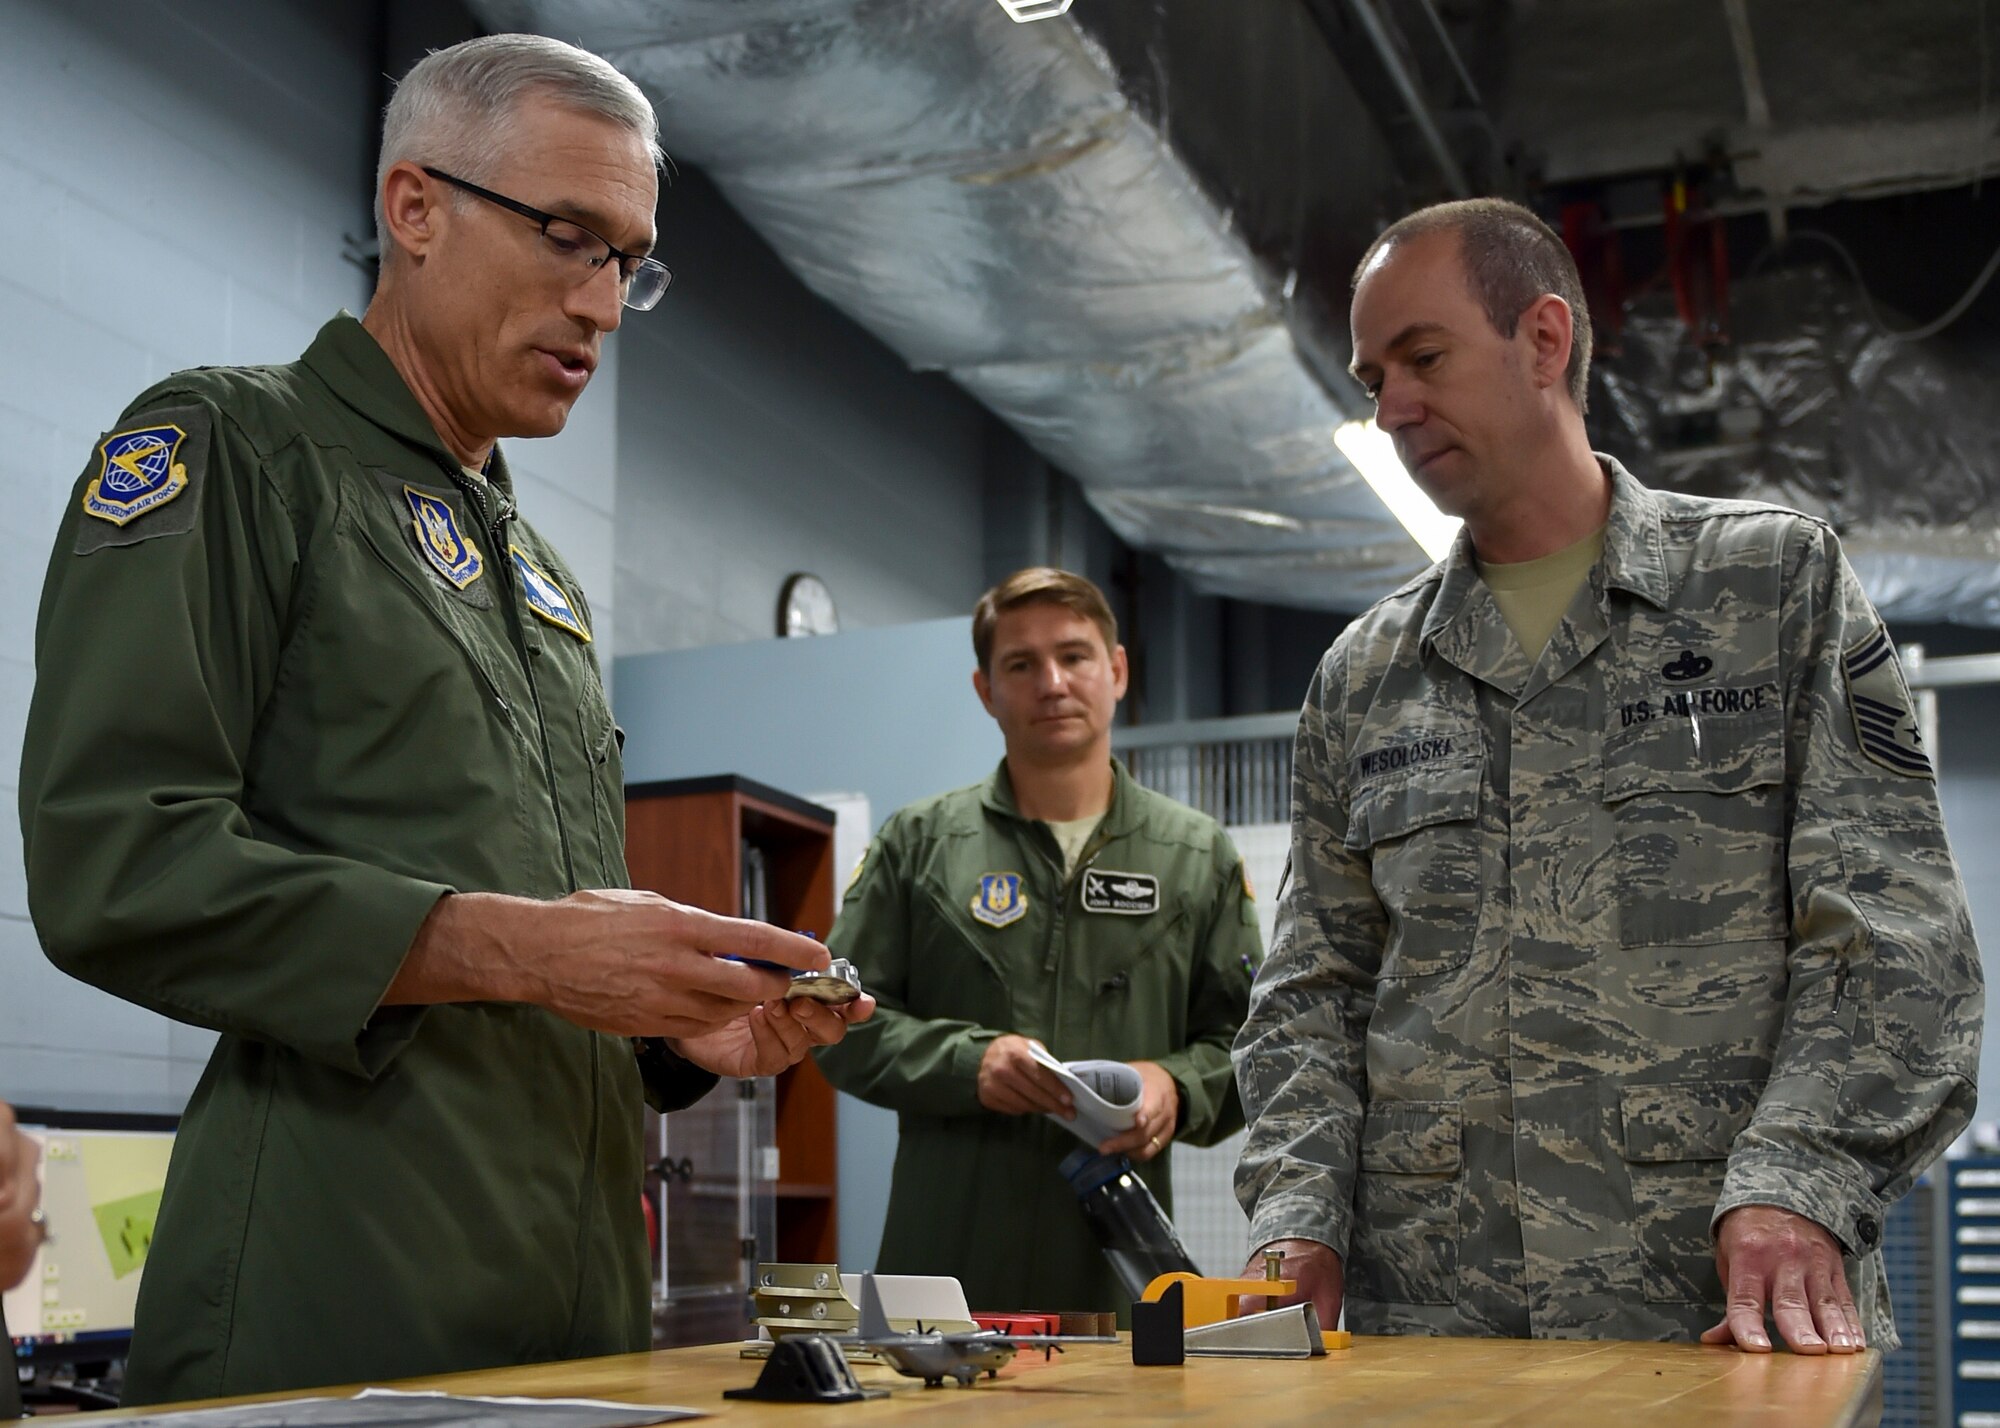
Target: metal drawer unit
(1916, 1380)
(1974, 1252)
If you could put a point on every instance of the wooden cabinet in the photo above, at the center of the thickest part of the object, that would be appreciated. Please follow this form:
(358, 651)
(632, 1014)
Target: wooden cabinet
(686, 839)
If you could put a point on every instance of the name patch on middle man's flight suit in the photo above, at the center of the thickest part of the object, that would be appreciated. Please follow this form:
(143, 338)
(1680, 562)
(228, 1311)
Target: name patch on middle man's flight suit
(1127, 894)
(999, 900)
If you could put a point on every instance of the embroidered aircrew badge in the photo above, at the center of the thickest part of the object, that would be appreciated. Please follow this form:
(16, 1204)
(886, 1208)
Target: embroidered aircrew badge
(137, 474)
(439, 538)
(1000, 900)
(1127, 894)
(546, 597)
(1884, 721)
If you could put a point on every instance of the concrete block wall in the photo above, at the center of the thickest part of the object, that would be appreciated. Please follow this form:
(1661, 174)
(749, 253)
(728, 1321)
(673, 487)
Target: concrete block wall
(179, 177)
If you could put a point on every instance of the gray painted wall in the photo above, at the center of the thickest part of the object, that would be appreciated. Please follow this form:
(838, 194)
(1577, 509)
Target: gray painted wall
(763, 433)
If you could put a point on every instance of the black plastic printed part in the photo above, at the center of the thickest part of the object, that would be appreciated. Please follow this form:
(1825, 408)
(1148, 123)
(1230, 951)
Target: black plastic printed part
(806, 1368)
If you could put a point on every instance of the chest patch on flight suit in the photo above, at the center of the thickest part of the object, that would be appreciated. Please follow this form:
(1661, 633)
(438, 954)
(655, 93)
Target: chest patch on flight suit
(999, 901)
(1127, 894)
(546, 597)
(140, 470)
(440, 541)
(1884, 722)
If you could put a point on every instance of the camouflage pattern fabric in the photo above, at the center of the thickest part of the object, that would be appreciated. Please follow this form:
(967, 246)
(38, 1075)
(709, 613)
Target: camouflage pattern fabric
(1578, 954)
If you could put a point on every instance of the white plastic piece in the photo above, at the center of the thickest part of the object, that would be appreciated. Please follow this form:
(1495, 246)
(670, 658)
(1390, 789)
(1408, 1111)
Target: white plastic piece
(937, 1301)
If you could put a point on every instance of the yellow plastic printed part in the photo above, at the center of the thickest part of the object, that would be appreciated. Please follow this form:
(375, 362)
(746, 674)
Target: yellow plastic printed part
(1210, 1301)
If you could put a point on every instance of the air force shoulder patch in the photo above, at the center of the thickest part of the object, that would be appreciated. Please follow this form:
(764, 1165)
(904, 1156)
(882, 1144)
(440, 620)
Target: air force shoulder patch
(439, 538)
(144, 481)
(1000, 901)
(137, 472)
(1885, 722)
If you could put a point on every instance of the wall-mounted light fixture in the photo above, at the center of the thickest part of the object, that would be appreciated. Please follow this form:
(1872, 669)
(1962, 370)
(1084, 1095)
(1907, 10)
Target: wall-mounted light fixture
(1022, 11)
(1368, 447)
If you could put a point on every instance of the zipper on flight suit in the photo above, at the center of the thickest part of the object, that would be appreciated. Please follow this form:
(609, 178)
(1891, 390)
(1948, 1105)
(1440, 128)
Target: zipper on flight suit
(492, 524)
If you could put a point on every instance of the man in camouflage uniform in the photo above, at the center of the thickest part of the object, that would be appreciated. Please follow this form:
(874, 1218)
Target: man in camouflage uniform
(1625, 978)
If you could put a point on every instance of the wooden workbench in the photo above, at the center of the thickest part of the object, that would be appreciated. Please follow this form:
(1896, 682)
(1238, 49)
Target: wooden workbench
(1380, 1383)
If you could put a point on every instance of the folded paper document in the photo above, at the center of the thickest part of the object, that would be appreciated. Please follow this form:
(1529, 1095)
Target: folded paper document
(1106, 1094)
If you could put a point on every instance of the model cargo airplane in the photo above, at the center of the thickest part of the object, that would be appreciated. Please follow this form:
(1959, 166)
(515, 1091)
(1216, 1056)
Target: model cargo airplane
(935, 1357)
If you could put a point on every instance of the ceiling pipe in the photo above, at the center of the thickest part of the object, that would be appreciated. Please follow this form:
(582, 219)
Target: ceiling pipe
(1377, 30)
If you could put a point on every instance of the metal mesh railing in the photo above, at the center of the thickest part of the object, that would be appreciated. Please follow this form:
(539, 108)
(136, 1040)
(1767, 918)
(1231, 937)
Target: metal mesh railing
(1237, 771)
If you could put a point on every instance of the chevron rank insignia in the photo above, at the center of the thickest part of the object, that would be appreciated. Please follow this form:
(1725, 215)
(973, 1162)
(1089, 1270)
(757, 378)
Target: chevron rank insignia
(1885, 722)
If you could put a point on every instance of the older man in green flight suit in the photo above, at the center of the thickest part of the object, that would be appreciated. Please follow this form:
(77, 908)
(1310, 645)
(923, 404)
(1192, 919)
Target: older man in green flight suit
(1056, 901)
(319, 757)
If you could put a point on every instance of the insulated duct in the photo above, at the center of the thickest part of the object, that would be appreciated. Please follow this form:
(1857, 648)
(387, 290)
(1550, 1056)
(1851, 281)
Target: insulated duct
(1815, 407)
(983, 197)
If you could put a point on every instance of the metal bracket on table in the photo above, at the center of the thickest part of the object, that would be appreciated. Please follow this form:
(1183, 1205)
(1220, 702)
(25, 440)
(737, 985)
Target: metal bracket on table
(1288, 1333)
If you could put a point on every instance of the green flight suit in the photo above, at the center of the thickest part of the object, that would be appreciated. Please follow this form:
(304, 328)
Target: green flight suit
(975, 1194)
(269, 731)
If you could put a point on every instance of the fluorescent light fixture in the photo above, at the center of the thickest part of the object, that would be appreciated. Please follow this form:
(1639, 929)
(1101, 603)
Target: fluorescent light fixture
(1368, 447)
(1022, 11)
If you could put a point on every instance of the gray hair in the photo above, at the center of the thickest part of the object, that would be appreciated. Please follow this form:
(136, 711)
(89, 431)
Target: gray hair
(1511, 258)
(456, 107)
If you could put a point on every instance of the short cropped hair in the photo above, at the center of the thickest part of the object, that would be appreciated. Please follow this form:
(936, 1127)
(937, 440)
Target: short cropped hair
(456, 108)
(1511, 258)
(1040, 585)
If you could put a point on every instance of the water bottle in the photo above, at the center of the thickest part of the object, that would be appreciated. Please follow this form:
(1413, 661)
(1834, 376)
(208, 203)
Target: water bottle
(1131, 1228)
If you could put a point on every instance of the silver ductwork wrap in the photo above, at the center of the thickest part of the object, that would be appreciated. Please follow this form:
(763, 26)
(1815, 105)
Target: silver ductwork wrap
(1815, 407)
(983, 197)
(987, 199)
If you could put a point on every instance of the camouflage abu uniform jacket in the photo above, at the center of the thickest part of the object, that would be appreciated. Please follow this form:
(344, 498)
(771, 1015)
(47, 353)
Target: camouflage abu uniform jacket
(1581, 953)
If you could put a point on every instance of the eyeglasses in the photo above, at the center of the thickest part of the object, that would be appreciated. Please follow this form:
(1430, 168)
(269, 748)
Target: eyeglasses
(577, 251)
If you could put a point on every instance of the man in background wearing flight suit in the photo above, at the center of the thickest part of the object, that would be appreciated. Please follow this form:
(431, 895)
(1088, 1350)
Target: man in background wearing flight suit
(1625, 977)
(319, 758)
(1057, 901)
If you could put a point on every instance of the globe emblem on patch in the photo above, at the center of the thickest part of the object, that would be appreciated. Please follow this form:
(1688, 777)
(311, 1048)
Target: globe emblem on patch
(137, 464)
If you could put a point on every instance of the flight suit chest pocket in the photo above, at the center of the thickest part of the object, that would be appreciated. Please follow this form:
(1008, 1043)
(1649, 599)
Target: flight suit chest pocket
(1698, 810)
(1406, 1204)
(1421, 835)
(603, 745)
(1677, 1143)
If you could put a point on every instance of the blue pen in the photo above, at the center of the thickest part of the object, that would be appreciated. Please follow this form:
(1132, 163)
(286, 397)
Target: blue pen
(771, 966)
